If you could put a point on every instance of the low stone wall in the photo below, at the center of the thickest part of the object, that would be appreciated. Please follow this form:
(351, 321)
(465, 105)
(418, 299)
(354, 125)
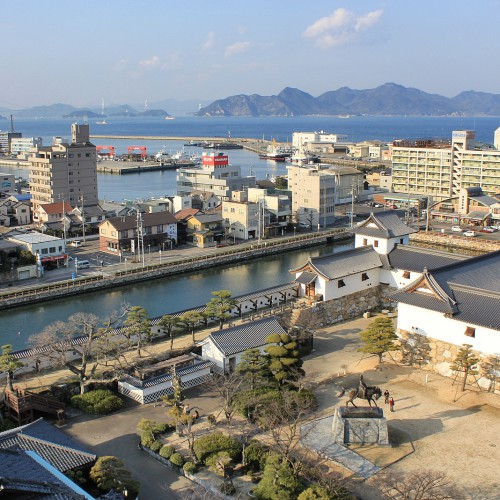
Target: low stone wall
(348, 307)
(478, 245)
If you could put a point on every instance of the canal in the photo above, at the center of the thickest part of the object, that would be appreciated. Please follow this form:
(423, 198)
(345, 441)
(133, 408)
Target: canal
(161, 296)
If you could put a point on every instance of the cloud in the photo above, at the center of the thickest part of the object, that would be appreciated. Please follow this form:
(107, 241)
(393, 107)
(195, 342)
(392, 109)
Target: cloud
(209, 42)
(340, 27)
(152, 62)
(236, 48)
(120, 65)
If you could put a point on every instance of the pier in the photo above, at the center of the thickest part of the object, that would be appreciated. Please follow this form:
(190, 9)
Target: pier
(135, 167)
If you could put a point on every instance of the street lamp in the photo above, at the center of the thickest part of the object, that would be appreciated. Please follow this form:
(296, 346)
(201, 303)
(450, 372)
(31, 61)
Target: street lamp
(82, 199)
(160, 255)
(149, 253)
(61, 197)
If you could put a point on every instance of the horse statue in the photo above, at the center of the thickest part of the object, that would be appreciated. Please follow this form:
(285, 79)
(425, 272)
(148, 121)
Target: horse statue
(370, 393)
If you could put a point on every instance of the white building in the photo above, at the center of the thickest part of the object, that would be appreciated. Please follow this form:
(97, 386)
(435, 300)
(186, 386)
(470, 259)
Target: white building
(225, 347)
(20, 146)
(215, 175)
(49, 250)
(301, 141)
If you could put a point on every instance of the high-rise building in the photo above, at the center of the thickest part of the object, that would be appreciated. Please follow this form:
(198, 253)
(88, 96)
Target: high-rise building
(6, 139)
(442, 169)
(65, 172)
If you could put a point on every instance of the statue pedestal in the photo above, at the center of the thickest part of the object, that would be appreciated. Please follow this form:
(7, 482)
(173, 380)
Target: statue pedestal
(362, 425)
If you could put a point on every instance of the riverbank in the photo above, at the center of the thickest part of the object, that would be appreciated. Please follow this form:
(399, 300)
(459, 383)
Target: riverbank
(128, 273)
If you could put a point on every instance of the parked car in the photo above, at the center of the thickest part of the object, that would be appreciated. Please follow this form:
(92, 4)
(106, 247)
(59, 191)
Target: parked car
(456, 229)
(76, 243)
(469, 233)
(378, 205)
(487, 229)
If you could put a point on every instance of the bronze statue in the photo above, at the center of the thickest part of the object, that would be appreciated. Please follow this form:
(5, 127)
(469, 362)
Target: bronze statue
(370, 393)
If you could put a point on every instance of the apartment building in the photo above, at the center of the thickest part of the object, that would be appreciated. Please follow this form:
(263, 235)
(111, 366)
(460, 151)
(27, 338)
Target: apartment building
(6, 140)
(244, 219)
(215, 175)
(65, 171)
(442, 169)
(21, 146)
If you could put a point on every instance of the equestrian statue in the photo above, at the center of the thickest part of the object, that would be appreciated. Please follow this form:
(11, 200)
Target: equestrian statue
(370, 393)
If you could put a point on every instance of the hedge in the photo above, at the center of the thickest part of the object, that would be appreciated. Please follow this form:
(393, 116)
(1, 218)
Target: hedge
(167, 450)
(177, 459)
(100, 402)
(214, 443)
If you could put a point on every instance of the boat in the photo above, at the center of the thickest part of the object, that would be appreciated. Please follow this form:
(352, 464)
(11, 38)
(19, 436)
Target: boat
(103, 121)
(169, 117)
(344, 116)
(276, 153)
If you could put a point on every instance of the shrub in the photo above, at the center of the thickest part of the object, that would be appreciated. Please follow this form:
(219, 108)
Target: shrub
(212, 419)
(154, 427)
(256, 456)
(314, 492)
(167, 450)
(156, 446)
(190, 467)
(216, 442)
(227, 488)
(245, 402)
(177, 459)
(147, 439)
(100, 402)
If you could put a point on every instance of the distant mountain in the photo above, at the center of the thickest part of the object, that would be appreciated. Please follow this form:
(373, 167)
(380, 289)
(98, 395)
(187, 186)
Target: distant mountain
(387, 99)
(82, 113)
(52, 111)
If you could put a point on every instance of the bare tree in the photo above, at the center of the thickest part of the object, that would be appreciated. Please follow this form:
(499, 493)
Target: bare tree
(227, 385)
(282, 417)
(79, 334)
(418, 485)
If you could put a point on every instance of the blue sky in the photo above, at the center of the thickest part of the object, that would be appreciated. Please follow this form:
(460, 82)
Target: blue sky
(129, 51)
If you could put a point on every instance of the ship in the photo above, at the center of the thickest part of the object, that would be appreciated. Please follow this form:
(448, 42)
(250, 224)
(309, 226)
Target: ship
(276, 153)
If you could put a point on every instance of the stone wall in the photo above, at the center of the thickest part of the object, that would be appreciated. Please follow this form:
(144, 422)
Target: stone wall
(458, 241)
(348, 307)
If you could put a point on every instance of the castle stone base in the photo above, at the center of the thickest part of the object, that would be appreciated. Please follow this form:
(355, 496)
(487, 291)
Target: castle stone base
(362, 425)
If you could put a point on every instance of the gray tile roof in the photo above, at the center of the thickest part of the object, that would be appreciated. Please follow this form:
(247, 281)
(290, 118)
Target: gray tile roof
(306, 277)
(387, 225)
(338, 265)
(411, 258)
(469, 289)
(246, 336)
(23, 476)
(57, 448)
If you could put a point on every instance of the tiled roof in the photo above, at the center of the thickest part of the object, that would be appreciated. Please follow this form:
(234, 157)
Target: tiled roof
(148, 219)
(383, 225)
(23, 476)
(57, 448)
(338, 265)
(185, 213)
(56, 208)
(469, 291)
(246, 336)
(206, 218)
(411, 258)
(306, 277)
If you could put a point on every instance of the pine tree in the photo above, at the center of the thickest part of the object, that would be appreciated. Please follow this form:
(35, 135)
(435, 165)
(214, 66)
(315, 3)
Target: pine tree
(191, 319)
(220, 306)
(137, 327)
(168, 323)
(285, 363)
(254, 366)
(379, 337)
(9, 364)
(465, 362)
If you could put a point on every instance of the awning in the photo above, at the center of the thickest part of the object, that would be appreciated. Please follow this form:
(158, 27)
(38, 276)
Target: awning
(54, 258)
(476, 215)
(306, 278)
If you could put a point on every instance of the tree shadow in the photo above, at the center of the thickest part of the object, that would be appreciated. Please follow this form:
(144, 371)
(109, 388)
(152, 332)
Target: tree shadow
(448, 414)
(324, 346)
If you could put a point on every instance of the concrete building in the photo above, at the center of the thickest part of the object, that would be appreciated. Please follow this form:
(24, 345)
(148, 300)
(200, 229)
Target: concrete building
(441, 169)
(65, 171)
(215, 175)
(317, 188)
(304, 142)
(244, 219)
(7, 184)
(21, 146)
(49, 250)
(278, 206)
(6, 139)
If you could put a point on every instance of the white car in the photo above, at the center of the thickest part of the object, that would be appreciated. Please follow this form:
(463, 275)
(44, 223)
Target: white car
(76, 243)
(469, 233)
(456, 229)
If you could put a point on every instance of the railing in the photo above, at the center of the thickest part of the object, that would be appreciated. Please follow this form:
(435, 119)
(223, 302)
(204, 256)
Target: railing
(22, 401)
(213, 255)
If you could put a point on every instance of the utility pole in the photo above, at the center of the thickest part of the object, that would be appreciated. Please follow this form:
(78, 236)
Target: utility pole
(140, 238)
(352, 205)
(82, 199)
(60, 196)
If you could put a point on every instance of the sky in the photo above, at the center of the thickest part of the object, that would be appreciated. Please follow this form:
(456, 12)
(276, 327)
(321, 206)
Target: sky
(131, 52)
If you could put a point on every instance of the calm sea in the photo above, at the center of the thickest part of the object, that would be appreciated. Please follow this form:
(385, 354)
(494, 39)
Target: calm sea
(155, 184)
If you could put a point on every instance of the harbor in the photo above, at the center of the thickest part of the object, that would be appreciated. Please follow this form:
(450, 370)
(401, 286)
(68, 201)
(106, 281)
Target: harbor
(137, 167)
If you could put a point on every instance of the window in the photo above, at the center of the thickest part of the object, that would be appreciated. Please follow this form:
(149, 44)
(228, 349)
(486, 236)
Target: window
(407, 275)
(375, 243)
(113, 233)
(103, 231)
(340, 283)
(365, 242)
(364, 277)
(470, 331)
(52, 249)
(401, 240)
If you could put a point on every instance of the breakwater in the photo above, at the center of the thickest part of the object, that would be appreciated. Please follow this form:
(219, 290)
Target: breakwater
(459, 242)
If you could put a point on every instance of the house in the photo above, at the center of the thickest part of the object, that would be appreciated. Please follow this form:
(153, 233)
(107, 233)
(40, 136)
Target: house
(14, 212)
(121, 234)
(225, 347)
(204, 230)
(34, 459)
(53, 216)
(182, 216)
(204, 200)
